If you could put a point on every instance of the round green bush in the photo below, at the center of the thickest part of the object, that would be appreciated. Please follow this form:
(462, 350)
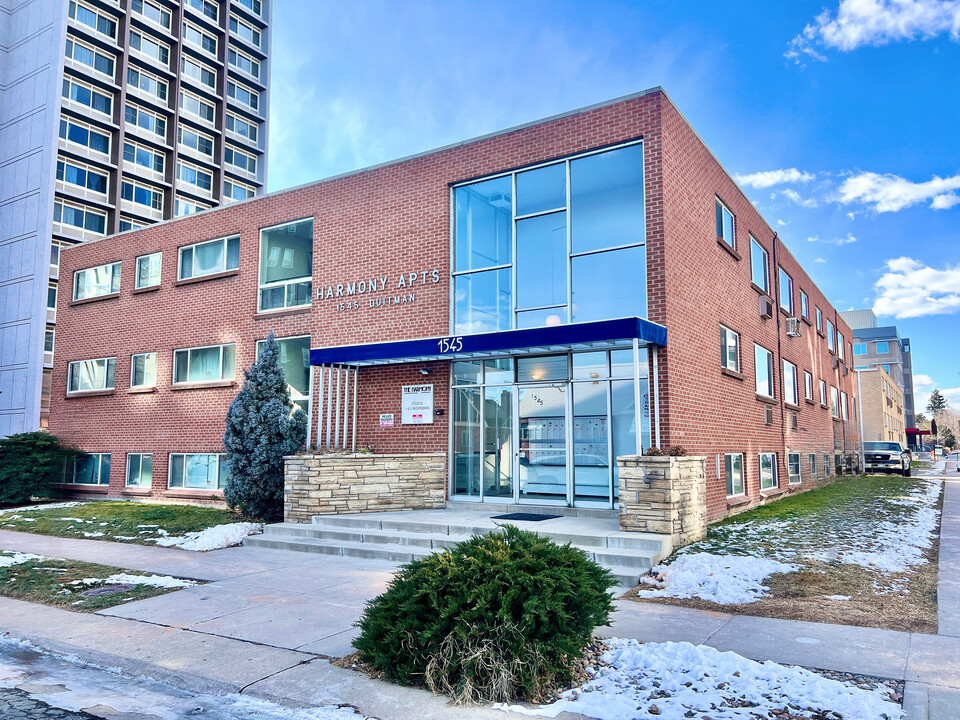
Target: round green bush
(499, 617)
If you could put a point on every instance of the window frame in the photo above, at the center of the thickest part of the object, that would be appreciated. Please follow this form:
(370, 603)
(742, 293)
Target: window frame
(156, 195)
(793, 396)
(148, 256)
(823, 392)
(115, 271)
(74, 42)
(89, 129)
(133, 365)
(834, 402)
(773, 474)
(728, 466)
(198, 171)
(725, 333)
(155, 79)
(886, 346)
(88, 170)
(261, 286)
(253, 95)
(107, 361)
(139, 483)
(812, 461)
(221, 481)
(831, 337)
(765, 255)
(808, 385)
(99, 14)
(862, 346)
(72, 479)
(226, 252)
(804, 305)
(770, 371)
(790, 474)
(229, 197)
(819, 319)
(841, 341)
(189, 350)
(785, 281)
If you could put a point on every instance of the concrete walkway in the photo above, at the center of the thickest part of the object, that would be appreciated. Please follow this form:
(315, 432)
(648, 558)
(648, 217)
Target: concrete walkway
(263, 622)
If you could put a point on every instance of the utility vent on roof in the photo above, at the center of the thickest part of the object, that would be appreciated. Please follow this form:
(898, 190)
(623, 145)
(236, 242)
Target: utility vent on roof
(768, 415)
(793, 327)
(766, 307)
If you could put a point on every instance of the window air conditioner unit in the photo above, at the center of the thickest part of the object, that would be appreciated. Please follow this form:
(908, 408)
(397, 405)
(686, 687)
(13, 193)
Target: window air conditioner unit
(766, 307)
(846, 371)
(793, 327)
(836, 362)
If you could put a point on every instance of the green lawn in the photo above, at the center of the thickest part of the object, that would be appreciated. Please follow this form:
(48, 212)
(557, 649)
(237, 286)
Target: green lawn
(129, 522)
(57, 582)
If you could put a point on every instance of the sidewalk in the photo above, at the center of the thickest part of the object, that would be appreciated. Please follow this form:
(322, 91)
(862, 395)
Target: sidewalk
(267, 615)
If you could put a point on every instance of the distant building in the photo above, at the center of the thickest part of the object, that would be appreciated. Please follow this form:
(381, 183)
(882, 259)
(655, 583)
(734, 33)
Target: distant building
(881, 406)
(882, 346)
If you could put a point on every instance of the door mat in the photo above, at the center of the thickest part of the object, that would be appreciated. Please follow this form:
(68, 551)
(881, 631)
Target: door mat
(532, 517)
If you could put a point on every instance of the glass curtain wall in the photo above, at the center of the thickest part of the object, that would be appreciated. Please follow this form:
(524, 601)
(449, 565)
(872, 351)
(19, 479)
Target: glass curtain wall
(286, 265)
(559, 243)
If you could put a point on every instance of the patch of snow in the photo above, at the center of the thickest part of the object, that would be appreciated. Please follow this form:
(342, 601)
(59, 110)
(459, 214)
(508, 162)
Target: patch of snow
(147, 526)
(75, 520)
(838, 597)
(9, 558)
(123, 537)
(48, 506)
(684, 680)
(29, 519)
(93, 534)
(212, 538)
(163, 581)
(724, 579)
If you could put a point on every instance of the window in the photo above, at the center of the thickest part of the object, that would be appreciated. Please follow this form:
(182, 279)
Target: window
(768, 471)
(823, 393)
(183, 207)
(142, 195)
(819, 320)
(826, 465)
(201, 73)
(243, 95)
(127, 224)
(148, 270)
(286, 265)
(813, 464)
(151, 12)
(601, 274)
(151, 84)
(793, 469)
(244, 30)
(196, 36)
(143, 156)
(150, 47)
(88, 96)
(48, 346)
(786, 292)
(103, 24)
(207, 258)
(232, 156)
(139, 469)
(204, 364)
(790, 394)
(834, 402)
(205, 7)
(831, 337)
(804, 305)
(241, 127)
(882, 348)
(808, 386)
(733, 471)
(729, 349)
(843, 406)
(764, 370)
(198, 471)
(194, 140)
(96, 281)
(759, 262)
(195, 106)
(840, 345)
(886, 368)
(725, 224)
(83, 375)
(85, 135)
(233, 190)
(193, 175)
(80, 217)
(87, 55)
(143, 370)
(243, 62)
(295, 363)
(251, 5)
(83, 176)
(149, 121)
(859, 349)
(91, 469)
(52, 297)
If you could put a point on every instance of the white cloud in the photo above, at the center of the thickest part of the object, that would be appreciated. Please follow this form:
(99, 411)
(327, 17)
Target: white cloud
(891, 193)
(781, 223)
(769, 178)
(820, 260)
(923, 384)
(794, 197)
(839, 241)
(911, 289)
(952, 395)
(875, 22)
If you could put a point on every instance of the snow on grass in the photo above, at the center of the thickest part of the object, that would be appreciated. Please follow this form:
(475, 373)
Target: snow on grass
(42, 506)
(212, 538)
(680, 680)
(725, 579)
(162, 581)
(9, 558)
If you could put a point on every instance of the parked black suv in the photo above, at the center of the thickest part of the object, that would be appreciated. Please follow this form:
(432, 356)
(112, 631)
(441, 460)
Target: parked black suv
(886, 457)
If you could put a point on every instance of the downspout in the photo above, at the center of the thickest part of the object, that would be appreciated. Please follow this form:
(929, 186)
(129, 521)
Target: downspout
(776, 306)
(860, 418)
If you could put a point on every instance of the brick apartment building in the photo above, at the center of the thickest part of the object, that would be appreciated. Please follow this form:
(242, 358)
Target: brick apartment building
(545, 299)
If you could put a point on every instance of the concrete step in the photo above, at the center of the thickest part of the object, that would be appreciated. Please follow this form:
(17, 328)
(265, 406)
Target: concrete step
(430, 541)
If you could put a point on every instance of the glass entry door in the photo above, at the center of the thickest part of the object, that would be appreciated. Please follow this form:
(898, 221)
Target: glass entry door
(498, 452)
(542, 443)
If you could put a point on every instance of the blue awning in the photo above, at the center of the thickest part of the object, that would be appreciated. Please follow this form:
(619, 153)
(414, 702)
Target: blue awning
(601, 334)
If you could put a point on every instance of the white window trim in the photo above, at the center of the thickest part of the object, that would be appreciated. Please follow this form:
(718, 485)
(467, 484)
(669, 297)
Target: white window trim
(96, 51)
(70, 80)
(807, 386)
(781, 274)
(812, 461)
(773, 465)
(73, 363)
(732, 242)
(117, 269)
(769, 369)
(154, 192)
(743, 481)
(200, 190)
(173, 373)
(133, 360)
(72, 480)
(823, 392)
(249, 58)
(199, 134)
(200, 64)
(293, 281)
(183, 485)
(309, 396)
(724, 330)
(87, 169)
(193, 96)
(98, 13)
(834, 402)
(754, 245)
(126, 480)
(180, 250)
(793, 397)
(156, 78)
(253, 93)
(236, 183)
(160, 11)
(203, 35)
(136, 266)
(89, 128)
(799, 480)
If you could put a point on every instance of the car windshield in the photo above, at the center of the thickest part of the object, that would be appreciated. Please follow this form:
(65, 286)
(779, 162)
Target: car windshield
(884, 446)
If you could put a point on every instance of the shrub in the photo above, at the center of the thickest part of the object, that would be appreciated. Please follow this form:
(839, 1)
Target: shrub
(675, 451)
(498, 617)
(29, 463)
(261, 429)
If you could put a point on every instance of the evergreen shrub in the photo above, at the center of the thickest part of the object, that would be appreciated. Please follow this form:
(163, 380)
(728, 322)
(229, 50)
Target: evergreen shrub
(499, 617)
(29, 464)
(261, 428)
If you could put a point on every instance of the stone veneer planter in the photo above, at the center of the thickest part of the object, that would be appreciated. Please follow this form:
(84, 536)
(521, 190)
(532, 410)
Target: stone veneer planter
(331, 484)
(665, 495)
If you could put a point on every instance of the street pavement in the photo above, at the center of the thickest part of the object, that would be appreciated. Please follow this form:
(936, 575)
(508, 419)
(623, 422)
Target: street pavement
(269, 620)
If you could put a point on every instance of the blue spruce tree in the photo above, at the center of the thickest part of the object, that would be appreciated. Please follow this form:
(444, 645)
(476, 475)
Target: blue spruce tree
(261, 429)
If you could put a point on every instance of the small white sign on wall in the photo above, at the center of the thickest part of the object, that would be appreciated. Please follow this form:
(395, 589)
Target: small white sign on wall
(386, 420)
(416, 404)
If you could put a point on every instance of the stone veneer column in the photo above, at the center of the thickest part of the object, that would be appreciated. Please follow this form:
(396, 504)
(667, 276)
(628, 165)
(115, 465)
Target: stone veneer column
(664, 495)
(331, 484)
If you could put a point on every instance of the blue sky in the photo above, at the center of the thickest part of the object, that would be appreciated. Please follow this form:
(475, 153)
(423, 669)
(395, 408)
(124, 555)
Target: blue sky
(849, 108)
